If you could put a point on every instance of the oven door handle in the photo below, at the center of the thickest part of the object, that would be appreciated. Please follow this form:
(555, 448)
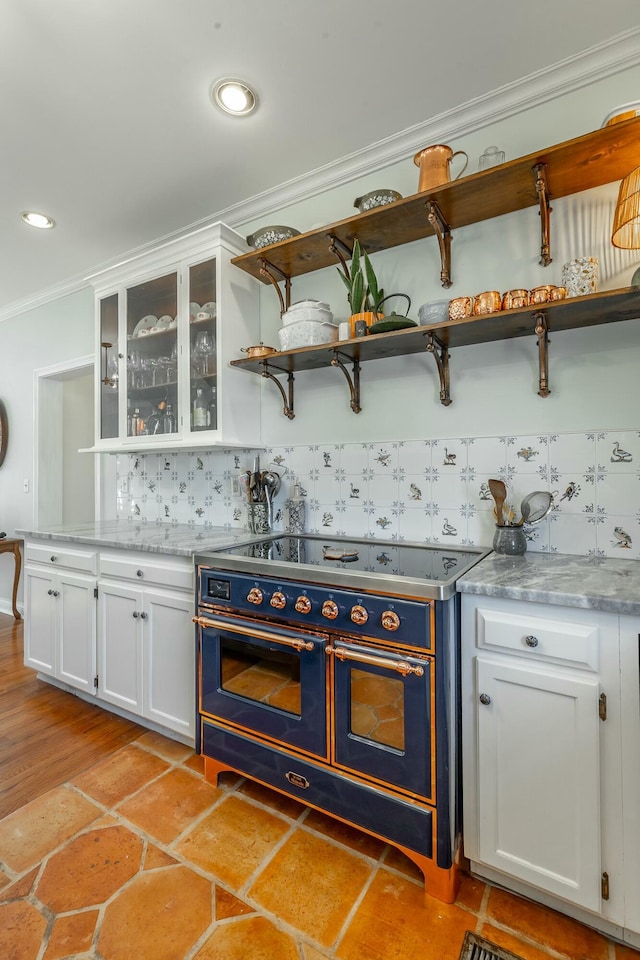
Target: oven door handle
(297, 642)
(400, 666)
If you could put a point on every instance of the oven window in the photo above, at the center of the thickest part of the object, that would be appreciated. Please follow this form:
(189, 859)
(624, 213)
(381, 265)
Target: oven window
(266, 676)
(377, 708)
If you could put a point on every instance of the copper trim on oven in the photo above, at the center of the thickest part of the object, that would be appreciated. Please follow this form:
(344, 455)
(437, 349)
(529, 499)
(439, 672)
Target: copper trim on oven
(400, 666)
(255, 633)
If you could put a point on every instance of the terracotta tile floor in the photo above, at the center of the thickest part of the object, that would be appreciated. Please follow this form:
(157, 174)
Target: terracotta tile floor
(139, 857)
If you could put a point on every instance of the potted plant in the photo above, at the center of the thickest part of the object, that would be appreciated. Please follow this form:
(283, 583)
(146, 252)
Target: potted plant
(363, 292)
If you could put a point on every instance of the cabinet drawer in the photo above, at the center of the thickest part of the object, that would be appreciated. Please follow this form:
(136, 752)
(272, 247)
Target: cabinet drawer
(145, 571)
(558, 641)
(56, 555)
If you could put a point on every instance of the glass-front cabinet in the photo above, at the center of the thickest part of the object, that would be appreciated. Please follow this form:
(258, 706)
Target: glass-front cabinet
(168, 323)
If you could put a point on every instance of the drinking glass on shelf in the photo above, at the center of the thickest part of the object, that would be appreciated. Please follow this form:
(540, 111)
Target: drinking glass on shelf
(203, 350)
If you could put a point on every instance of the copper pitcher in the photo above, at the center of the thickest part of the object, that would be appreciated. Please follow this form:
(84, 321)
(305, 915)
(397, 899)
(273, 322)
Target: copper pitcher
(435, 163)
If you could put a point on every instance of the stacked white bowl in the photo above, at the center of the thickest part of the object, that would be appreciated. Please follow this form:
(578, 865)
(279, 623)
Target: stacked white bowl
(305, 323)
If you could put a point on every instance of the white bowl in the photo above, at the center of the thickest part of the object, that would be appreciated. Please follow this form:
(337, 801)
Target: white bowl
(307, 310)
(435, 312)
(306, 333)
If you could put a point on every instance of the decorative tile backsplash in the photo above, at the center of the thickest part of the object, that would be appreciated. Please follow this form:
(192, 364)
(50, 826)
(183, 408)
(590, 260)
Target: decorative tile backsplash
(433, 491)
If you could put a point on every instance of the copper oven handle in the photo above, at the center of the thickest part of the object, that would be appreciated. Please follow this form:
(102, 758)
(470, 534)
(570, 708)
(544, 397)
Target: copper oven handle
(400, 666)
(298, 644)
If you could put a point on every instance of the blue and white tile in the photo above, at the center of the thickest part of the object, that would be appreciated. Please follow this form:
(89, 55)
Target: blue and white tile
(414, 489)
(619, 450)
(414, 457)
(449, 491)
(619, 493)
(384, 489)
(450, 526)
(382, 458)
(527, 455)
(450, 456)
(572, 534)
(538, 536)
(352, 457)
(415, 525)
(619, 536)
(479, 494)
(383, 524)
(354, 489)
(487, 455)
(572, 452)
(481, 528)
(571, 493)
(326, 488)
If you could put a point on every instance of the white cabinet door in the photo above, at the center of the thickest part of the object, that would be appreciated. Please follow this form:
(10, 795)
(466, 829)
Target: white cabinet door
(630, 678)
(120, 645)
(76, 630)
(539, 777)
(40, 620)
(169, 660)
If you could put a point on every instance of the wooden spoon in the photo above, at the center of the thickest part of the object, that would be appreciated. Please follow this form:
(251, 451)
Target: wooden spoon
(499, 494)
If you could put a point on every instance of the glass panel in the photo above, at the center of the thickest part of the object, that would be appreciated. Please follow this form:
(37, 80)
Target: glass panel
(266, 676)
(152, 357)
(377, 708)
(202, 346)
(109, 374)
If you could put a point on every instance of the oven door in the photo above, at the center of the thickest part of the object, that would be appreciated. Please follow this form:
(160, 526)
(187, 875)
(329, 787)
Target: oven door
(384, 725)
(265, 680)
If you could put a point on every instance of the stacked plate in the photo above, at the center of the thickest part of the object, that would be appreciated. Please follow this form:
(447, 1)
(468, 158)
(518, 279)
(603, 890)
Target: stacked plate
(306, 323)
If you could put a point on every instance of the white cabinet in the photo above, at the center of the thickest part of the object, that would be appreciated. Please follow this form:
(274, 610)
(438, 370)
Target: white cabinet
(630, 678)
(167, 324)
(146, 648)
(60, 621)
(541, 749)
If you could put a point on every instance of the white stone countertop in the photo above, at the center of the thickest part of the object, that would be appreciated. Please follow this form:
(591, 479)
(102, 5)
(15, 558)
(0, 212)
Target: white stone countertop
(605, 584)
(180, 539)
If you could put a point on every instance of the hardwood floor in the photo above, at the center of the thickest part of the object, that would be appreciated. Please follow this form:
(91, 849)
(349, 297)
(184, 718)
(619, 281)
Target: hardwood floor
(47, 735)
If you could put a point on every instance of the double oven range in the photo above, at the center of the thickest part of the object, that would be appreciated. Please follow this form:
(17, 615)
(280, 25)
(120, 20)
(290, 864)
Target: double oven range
(328, 669)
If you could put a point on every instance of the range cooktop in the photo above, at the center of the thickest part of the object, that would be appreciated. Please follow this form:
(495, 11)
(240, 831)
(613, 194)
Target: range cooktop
(417, 569)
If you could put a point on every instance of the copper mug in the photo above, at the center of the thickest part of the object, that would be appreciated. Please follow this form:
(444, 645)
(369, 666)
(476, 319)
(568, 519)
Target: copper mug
(460, 307)
(434, 163)
(515, 298)
(488, 302)
(558, 293)
(541, 294)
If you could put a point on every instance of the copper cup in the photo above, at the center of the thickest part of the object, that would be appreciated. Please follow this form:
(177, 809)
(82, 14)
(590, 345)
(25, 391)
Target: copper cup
(558, 293)
(515, 298)
(541, 294)
(488, 302)
(460, 307)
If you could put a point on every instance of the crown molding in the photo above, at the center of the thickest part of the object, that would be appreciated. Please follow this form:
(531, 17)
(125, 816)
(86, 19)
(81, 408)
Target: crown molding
(603, 60)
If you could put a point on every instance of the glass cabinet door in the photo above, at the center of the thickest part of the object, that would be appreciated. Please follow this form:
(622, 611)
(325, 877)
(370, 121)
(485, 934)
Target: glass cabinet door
(109, 367)
(203, 365)
(152, 357)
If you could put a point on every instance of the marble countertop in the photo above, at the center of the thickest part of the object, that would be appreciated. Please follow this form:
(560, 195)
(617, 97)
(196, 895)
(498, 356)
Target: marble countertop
(607, 584)
(181, 539)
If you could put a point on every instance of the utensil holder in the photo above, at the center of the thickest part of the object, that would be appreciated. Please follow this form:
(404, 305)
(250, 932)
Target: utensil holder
(509, 540)
(258, 518)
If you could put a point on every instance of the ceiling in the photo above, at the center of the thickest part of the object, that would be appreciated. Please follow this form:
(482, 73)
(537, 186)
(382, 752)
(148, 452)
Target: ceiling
(107, 126)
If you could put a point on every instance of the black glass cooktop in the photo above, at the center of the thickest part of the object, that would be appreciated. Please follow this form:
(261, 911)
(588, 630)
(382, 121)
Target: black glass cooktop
(329, 560)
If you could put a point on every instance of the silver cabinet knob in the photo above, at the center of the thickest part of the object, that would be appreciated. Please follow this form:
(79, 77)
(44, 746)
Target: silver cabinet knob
(53, 559)
(143, 615)
(135, 614)
(50, 592)
(531, 641)
(485, 699)
(139, 573)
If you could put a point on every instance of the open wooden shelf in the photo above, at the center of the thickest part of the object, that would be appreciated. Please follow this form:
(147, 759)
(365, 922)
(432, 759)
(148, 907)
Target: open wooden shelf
(570, 314)
(589, 161)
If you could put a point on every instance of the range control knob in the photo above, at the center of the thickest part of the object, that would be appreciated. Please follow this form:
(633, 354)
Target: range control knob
(359, 614)
(255, 595)
(303, 605)
(330, 609)
(278, 600)
(390, 620)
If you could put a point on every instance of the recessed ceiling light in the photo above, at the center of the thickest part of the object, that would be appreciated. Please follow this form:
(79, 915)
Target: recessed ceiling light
(38, 220)
(233, 96)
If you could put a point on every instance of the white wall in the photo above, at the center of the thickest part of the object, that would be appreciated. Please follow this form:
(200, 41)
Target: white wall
(78, 478)
(593, 373)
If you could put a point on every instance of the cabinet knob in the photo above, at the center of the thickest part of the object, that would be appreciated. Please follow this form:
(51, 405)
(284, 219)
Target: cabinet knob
(139, 573)
(254, 595)
(330, 609)
(53, 559)
(143, 615)
(485, 699)
(531, 641)
(135, 614)
(50, 592)
(359, 614)
(56, 593)
(390, 620)
(278, 600)
(303, 605)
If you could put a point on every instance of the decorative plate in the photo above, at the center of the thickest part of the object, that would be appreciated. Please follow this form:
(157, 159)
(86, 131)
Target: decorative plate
(143, 326)
(268, 235)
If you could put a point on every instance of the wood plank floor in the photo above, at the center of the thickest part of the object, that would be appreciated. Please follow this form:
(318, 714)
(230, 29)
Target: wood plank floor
(47, 735)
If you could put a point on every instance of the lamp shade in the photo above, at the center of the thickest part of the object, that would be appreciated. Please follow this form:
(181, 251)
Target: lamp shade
(626, 221)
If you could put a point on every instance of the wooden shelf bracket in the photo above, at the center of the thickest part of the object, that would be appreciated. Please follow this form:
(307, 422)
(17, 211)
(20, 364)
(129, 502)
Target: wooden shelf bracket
(275, 275)
(443, 233)
(540, 172)
(341, 251)
(441, 356)
(354, 384)
(287, 400)
(542, 333)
